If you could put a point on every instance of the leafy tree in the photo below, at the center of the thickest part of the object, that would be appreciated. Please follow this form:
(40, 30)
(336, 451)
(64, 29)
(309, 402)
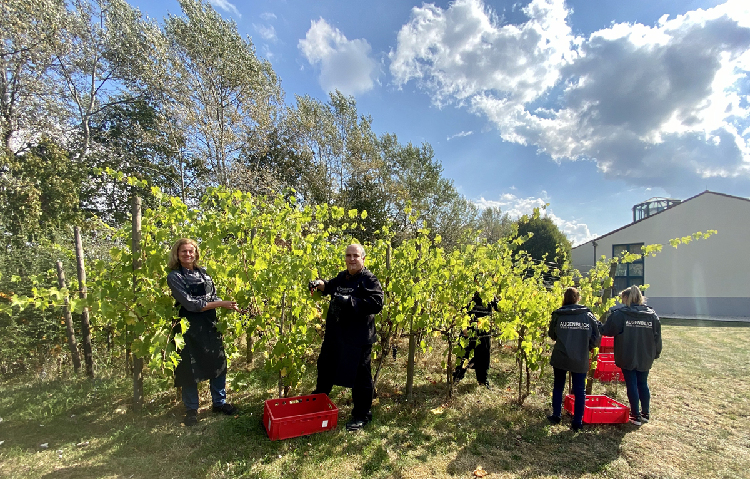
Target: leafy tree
(28, 104)
(135, 140)
(494, 224)
(365, 194)
(106, 56)
(547, 239)
(415, 183)
(223, 97)
(39, 190)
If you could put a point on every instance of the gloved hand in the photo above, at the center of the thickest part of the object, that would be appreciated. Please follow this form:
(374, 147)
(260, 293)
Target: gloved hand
(313, 285)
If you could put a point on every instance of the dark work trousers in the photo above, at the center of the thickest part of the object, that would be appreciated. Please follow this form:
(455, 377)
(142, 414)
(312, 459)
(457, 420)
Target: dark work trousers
(579, 392)
(362, 387)
(480, 362)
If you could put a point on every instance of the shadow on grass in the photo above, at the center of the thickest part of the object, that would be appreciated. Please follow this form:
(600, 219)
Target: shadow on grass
(90, 422)
(527, 445)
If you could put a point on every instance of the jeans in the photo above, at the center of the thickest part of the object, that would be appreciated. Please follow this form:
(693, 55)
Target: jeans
(579, 391)
(218, 392)
(636, 382)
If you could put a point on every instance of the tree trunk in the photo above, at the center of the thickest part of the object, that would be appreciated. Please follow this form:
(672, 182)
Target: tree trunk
(72, 344)
(88, 353)
(520, 356)
(449, 369)
(136, 250)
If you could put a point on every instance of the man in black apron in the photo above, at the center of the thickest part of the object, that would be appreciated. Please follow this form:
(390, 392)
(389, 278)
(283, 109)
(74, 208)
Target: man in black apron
(356, 297)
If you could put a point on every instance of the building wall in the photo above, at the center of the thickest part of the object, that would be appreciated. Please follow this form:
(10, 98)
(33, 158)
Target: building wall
(703, 279)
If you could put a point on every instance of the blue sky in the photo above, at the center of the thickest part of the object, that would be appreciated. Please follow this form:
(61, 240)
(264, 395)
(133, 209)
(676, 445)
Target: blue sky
(591, 106)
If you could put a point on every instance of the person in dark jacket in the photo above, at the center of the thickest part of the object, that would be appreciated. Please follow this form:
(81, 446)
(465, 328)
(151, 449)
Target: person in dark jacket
(575, 331)
(637, 332)
(344, 360)
(479, 342)
(202, 357)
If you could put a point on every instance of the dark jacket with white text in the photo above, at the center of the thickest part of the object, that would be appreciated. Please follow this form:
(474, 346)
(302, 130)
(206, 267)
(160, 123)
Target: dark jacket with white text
(637, 332)
(576, 332)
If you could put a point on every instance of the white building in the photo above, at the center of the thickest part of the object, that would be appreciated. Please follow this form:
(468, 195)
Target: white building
(705, 279)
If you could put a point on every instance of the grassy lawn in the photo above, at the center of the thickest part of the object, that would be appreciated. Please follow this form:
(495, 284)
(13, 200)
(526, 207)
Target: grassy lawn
(700, 425)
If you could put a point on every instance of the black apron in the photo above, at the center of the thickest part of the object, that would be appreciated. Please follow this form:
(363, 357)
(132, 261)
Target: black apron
(203, 356)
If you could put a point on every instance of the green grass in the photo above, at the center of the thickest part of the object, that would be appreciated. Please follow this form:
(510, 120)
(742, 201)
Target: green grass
(700, 426)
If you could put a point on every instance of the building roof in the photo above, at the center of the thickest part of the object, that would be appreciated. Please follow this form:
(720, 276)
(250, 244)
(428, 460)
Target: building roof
(662, 211)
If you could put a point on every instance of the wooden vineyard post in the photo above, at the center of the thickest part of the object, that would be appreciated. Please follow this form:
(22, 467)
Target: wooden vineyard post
(88, 353)
(136, 249)
(412, 344)
(70, 330)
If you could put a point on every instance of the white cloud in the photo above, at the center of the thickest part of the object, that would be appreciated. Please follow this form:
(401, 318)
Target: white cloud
(656, 105)
(513, 205)
(577, 233)
(344, 64)
(463, 51)
(460, 134)
(268, 16)
(266, 32)
(226, 6)
(516, 207)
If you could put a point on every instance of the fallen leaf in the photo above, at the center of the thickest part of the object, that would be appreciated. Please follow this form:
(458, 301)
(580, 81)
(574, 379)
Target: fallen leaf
(479, 472)
(82, 444)
(44, 446)
(437, 410)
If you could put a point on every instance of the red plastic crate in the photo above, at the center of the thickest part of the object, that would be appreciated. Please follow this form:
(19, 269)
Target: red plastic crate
(606, 369)
(298, 416)
(609, 376)
(600, 410)
(607, 345)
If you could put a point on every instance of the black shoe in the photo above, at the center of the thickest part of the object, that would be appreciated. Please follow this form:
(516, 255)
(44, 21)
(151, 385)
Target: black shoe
(225, 408)
(575, 427)
(636, 420)
(644, 417)
(554, 419)
(487, 385)
(191, 417)
(357, 424)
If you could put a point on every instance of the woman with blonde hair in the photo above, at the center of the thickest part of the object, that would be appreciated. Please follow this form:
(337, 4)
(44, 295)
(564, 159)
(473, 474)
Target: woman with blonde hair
(575, 331)
(202, 356)
(637, 332)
